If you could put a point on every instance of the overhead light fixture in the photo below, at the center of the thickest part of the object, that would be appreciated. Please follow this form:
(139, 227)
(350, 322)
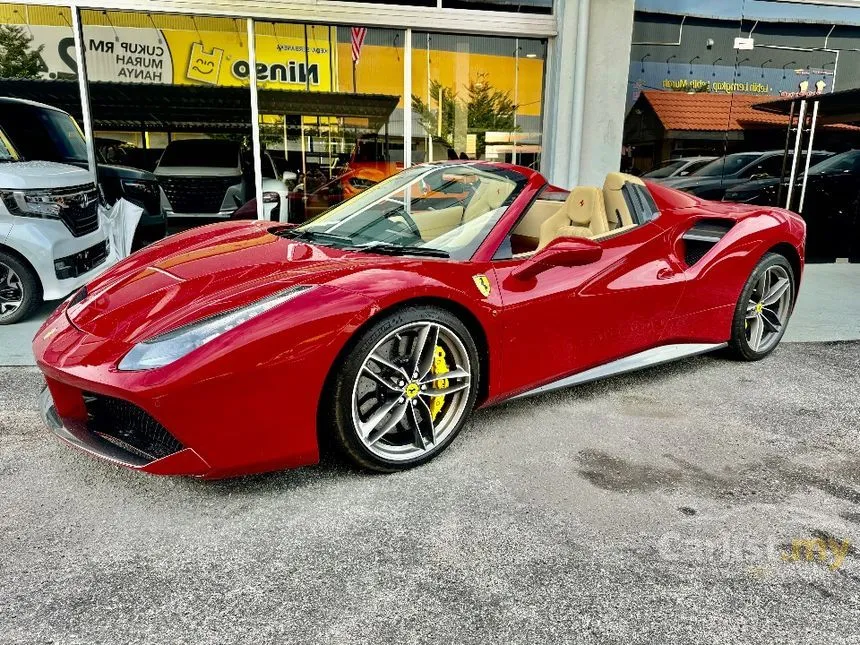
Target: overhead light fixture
(531, 55)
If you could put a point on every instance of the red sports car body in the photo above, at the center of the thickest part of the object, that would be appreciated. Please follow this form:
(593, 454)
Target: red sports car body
(541, 306)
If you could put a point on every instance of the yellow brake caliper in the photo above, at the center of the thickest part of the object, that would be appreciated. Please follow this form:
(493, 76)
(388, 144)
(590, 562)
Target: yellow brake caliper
(440, 367)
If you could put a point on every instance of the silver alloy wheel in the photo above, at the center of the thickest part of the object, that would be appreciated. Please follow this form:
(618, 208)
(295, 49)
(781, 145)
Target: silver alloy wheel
(11, 291)
(397, 390)
(768, 309)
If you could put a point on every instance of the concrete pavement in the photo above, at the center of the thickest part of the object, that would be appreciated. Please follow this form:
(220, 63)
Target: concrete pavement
(675, 505)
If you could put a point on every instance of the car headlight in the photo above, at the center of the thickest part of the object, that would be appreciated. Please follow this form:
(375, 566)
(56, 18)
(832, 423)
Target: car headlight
(139, 190)
(167, 348)
(49, 203)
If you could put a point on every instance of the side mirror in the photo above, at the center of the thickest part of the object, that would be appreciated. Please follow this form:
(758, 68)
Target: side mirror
(561, 252)
(759, 175)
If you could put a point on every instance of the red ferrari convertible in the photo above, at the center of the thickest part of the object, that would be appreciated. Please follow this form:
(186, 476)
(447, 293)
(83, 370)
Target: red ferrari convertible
(234, 348)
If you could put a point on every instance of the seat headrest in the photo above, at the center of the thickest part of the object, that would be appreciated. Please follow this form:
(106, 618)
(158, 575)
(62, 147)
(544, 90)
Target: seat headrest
(616, 180)
(582, 204)
(493, 193)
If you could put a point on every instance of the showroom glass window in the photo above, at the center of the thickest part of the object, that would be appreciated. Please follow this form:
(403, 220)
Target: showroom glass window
(331, 113)
(478, 97)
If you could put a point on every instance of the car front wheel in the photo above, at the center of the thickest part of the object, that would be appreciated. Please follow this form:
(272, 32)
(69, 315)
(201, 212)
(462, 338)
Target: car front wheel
(20, 290)
(406, 389)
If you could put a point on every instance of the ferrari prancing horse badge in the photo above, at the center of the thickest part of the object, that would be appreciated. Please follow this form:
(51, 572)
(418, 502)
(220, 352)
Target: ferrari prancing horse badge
(483, 284)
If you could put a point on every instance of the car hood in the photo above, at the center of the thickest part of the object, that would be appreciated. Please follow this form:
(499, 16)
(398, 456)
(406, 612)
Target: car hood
(196, 171)
(17, 175)
(203, 272)
(754, 186)
(121, 172)
(687, 183)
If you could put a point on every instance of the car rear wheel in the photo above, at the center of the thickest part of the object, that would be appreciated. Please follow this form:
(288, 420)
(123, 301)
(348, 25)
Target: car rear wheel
(20, 290)
(763, 309)
(406, 389)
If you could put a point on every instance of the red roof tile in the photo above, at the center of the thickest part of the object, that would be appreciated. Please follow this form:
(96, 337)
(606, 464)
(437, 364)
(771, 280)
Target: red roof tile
(711, 112)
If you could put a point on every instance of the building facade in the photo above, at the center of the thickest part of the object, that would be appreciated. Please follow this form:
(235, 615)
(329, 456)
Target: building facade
(317, 83)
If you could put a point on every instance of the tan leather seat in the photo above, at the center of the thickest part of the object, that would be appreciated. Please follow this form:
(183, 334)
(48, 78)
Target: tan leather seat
(488, 197)
(583, 214)
(617, 212)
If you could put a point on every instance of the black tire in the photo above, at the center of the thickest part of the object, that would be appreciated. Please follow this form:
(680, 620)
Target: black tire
(30, 286)
(739, 345)
(338, 410)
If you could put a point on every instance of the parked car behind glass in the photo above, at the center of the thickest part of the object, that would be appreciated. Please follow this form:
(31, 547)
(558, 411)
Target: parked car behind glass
(681, 167)
(830, 206)
(712, 181)
(45, 133)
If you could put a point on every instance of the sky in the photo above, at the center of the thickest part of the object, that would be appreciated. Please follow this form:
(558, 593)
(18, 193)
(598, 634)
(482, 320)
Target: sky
(771, 10)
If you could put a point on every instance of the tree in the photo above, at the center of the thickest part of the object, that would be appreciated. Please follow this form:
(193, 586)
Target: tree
(485, 109)
(17, 57)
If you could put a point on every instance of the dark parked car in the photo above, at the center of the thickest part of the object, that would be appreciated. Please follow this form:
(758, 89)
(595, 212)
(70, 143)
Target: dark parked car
(830, 206)
(681, 167)
(713, 180)
(764, 190)
(41, 132)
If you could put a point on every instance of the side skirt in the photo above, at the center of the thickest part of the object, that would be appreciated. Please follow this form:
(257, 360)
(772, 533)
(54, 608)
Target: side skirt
(648, 358)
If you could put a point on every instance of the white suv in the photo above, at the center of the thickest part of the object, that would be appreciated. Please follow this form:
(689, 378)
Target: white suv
(51, 242)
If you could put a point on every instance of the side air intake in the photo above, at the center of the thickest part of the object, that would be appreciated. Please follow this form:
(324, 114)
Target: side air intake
(702, 237)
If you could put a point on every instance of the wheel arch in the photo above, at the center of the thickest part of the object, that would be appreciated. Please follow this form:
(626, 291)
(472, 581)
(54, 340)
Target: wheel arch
(790, 253)
(5, 248)
(462, 312)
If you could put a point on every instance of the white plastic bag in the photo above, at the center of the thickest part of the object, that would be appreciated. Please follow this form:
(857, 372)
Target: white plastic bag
(120, 223)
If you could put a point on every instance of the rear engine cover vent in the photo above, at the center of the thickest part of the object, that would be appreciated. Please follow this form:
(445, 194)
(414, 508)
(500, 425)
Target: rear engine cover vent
(703, 236)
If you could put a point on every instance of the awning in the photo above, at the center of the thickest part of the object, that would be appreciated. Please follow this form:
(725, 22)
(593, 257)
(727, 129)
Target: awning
(834, 108)
(175, 108)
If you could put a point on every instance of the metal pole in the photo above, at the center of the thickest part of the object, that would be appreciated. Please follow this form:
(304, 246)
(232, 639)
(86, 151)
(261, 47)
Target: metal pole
(579, 92)
(516, 99)
(785, 152)
(304, 160)
(255, 120)
(439, 113)
(429, 134)
(407, 100)
(86, 113)
(797, 142)
(808, 155)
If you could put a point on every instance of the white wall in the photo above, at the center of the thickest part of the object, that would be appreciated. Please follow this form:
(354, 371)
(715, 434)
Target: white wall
(607, 54)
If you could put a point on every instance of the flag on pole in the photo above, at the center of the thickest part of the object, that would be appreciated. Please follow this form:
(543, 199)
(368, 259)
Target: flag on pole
(358, 34)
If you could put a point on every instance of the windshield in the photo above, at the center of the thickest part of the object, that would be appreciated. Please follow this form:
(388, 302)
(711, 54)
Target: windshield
(666, 169)
(728, 165)
(42, 134)
(438, 210)
(845, 162)
(202, 152)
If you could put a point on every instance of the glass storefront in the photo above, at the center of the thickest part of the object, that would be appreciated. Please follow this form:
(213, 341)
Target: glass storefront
(697, 118)
(477, 97)
(171, 97)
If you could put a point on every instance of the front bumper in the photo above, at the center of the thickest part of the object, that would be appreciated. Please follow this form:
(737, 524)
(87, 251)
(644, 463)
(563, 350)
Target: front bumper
(77, 433)
(224, 404)
(43, 242)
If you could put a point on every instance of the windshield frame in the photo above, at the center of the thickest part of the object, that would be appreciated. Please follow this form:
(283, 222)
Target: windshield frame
(404, 180)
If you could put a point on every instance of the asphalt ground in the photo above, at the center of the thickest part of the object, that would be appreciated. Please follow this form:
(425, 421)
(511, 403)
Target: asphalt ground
(675, 505)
